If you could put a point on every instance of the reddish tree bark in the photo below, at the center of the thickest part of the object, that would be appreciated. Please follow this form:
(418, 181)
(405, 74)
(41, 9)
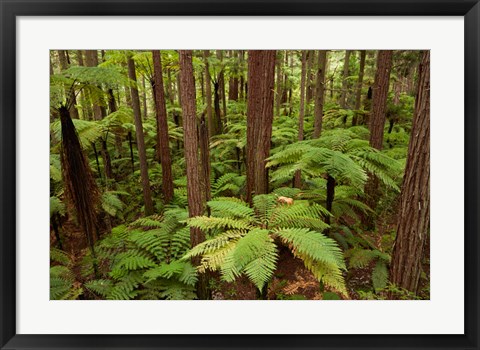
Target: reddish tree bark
(163, 145)
(196, 202)
(414, 219)
(261, 74)
(379, 101)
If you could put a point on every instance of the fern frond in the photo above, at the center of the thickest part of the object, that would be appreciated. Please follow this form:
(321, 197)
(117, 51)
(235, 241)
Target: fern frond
(380, 275)
(229, 207)
(208, 223)
(256, 247)
(312, 244)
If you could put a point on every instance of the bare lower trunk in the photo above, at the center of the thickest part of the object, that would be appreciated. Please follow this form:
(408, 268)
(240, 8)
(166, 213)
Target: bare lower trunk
(196, 202)
(320, 93)
(414, 219)
(261, 78)
(147, 196)
(298, 176)
(163, 145)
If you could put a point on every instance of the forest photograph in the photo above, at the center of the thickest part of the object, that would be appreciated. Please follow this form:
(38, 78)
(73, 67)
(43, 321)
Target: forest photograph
(239, 174)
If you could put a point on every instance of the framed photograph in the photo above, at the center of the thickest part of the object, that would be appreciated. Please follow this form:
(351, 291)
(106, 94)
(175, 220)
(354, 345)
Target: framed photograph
(244, 174)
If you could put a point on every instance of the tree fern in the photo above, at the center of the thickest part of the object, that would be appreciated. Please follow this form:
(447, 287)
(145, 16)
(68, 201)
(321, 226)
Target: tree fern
(141, 260)
(245, 242)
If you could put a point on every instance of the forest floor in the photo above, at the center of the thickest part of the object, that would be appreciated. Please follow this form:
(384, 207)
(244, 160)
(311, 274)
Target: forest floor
(291, 281)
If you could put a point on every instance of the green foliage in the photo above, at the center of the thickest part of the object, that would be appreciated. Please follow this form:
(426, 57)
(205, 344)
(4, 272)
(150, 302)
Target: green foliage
(142, 260)
(63, 285)
(245, 242)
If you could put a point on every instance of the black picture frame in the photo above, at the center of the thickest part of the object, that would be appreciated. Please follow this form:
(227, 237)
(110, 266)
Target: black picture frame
(9, 339)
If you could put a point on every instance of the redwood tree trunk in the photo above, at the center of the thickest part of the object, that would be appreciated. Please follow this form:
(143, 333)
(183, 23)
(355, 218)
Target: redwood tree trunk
(147, 196)
(320, 93)
(163, 146)
(261, 78)
(379, 101)
(377, 120)
(196, 202)
(414, 219)
(298, 176)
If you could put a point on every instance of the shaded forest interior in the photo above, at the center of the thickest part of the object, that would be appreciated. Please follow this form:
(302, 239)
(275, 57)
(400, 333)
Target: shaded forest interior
(239, 174)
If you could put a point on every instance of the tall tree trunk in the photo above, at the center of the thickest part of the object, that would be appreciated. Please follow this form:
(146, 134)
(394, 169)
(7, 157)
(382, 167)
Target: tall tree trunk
(163, 145)
(112, 106)
(285, 81)
(320, 93)
(414, 219)
(92, 61)
(290, 89)
(205, 159)
(147, 196)
(196, 202)
(208, 92)
(261, 79)
(216, 104)
(309, 79)
(379, 101)
(221, 83)
(170, 92)
(298, 176)
(358, 97)
(69, 91)
(377, 119)
(278, 91)
(343, 95)
(144, 99)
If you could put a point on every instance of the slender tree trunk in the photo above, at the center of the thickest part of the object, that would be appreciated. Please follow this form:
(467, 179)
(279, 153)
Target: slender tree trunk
(261, 79)
(144, 99)
(112, 106)
(309, 80)
(69, 91)
(216, 104)
(205, 159)
(343, 95)
(377, 119)
(414, 219)
(298, 176)
(379, 101)
(290, 102)
(208, 92)
(358, 97)
(196, 202)
(163, 145)
(147, 196)
(221, 83)
(130, 144)
(278, 91)
(285, 81)
(92, 61)
(170, 92)
(320, 93)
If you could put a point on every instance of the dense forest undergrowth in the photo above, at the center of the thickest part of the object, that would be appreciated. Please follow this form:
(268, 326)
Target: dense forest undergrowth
(230, 174)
